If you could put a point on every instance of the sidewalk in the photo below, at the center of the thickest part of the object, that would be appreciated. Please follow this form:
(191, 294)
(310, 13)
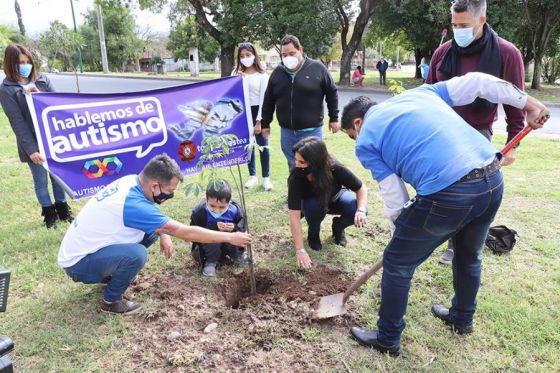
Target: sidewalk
(374, 89)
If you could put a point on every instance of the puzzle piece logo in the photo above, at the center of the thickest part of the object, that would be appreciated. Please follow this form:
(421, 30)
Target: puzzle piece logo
(94, 169)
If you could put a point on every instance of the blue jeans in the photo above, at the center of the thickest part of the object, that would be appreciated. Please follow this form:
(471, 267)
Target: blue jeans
(345, 206)
(486, 132)
(288, 138)
(122, 262)
(463, 211)
(41, 184)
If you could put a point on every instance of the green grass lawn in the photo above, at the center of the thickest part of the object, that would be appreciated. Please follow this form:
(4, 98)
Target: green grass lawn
(57, 327)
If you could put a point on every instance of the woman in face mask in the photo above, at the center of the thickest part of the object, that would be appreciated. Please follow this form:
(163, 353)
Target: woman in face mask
(320, 185)
(22, 78)
(249, 66)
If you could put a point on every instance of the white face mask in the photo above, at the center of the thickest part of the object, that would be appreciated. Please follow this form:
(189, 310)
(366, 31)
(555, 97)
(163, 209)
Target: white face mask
(247, 61)
(290, 62)
(463, 36)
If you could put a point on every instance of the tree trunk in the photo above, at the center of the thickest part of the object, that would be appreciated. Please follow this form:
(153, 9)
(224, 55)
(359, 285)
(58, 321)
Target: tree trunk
(227, 59)
(345, 62)
(348, 50)
(20, 18)
(418, 59)
(536, 83)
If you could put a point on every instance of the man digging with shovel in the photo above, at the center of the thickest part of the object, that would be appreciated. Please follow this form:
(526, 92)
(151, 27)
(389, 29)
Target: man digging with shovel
(417, 138)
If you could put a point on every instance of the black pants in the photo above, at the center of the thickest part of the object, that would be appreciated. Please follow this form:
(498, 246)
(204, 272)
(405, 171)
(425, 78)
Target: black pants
(213, 252)
(383, 77)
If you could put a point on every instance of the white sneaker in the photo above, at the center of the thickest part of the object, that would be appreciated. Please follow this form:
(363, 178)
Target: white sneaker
(252, 182)
(267, 185)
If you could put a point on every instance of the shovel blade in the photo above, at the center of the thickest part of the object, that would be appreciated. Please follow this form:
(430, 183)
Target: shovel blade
(331, 306)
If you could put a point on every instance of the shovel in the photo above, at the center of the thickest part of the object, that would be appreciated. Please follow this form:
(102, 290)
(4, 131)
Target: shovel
(334, 305)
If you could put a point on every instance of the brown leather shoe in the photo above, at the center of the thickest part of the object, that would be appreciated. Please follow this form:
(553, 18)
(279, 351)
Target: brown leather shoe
(122, 306)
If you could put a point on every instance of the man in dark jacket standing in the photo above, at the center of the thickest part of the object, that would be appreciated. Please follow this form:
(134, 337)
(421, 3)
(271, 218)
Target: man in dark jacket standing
(382, 66)
(296, 90)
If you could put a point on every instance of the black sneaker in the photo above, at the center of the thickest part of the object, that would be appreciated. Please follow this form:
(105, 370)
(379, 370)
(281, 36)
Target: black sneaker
(121, 306)
(314, 241)
(338, 232)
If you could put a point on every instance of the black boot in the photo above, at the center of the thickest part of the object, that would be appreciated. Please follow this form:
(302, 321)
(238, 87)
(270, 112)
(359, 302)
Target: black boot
(314, 241)
(50, 216)
(339, 224)
(64, 212)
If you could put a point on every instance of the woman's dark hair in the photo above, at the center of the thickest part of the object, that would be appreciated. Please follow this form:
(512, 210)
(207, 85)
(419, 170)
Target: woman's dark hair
(248, 47)
(11, 62)
(359, 68)
(219, 189)
(314, 151)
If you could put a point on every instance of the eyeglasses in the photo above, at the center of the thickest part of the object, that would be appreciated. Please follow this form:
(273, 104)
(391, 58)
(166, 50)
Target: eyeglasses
(245, 45)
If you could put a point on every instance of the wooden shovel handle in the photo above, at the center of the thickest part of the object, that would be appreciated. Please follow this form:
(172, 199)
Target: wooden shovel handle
(362, 279)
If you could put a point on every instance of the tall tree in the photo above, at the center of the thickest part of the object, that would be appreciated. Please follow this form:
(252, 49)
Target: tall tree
(123, 43)
(60, 43)
(314, 24)
(186, 34)
(422, 22)
(541, 22)
(349, 47)
(19, 18)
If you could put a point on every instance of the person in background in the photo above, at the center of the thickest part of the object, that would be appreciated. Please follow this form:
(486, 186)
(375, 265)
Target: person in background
(319, 185)
(296, 91)
(358, 77)
(424, 69)
(476, 47)
(23, 78)
(382, 66)
(218, 213)
(249, 66)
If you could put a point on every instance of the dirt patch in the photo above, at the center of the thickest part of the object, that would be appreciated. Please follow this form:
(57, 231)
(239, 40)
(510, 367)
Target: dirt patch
(270, 331)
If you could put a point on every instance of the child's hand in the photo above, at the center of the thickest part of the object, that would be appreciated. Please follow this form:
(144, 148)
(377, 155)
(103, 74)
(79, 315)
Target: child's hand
(225, 227)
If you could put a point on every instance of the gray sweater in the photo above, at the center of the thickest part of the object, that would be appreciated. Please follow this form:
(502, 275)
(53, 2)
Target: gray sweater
(12, 99)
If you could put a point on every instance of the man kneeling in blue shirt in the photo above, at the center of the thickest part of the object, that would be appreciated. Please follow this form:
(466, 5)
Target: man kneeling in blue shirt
(107, 241)
(417, 138)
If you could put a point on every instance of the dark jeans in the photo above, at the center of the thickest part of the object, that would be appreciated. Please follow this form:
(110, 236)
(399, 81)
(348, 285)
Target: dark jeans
(383, 77)
(288, 138)
(345, 206)
(488, 134)
(265, 154)
(122, 262)
(463, 210)
(213, 252)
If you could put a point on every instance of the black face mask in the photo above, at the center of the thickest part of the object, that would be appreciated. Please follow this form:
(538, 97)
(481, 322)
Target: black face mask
(162, 197)
(303, 171)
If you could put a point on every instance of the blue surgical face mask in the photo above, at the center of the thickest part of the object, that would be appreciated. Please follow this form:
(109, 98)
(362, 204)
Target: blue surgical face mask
(216, 215)
(24, 70)
(463, 36)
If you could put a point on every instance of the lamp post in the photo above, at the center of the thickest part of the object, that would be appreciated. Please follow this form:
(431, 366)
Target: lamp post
(76, 31)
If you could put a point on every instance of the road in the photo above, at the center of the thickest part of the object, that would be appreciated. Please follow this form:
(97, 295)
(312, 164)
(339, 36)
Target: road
(92, 84)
